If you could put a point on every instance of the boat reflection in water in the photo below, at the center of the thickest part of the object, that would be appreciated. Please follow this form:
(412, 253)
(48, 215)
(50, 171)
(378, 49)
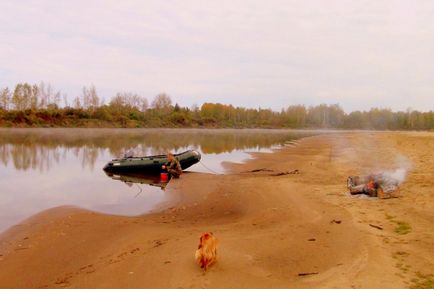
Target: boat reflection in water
(39, 168)
(134, 178)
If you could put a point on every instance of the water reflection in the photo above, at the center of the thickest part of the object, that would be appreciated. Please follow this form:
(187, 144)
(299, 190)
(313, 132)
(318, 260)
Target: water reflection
(45, 168)
(131, 179)
(40, 149)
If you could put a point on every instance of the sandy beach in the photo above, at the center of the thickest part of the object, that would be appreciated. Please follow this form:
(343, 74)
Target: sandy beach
(270, 228)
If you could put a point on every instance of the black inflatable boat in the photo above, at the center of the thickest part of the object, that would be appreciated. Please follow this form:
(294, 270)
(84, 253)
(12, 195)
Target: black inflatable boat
(150, 164)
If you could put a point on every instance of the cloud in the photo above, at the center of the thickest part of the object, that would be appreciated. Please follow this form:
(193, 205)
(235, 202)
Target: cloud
(251, 53)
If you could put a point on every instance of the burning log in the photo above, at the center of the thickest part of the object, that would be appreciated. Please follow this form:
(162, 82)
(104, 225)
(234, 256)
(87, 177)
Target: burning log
(380, 185)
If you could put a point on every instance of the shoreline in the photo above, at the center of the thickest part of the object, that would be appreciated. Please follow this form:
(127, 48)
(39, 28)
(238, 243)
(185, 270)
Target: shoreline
(270, 228)
(199, 129)
(36, 151)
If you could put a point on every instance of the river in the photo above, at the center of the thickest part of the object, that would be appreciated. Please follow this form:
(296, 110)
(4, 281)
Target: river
(46, 168)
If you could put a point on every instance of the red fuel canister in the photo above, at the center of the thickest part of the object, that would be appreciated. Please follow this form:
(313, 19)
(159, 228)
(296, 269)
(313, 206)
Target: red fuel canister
(164, 177)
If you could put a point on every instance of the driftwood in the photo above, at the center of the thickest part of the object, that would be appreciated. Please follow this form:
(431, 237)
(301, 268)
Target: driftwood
(294, 172)
(307, 273)
(373, 185)
(376, 227)
(259, 170)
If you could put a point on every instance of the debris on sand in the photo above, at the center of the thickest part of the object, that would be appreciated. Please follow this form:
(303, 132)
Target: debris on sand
(376, 227)
(259, 170)
(294, 172)
(307, 273)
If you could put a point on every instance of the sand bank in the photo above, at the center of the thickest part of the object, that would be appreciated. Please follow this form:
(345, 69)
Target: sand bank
(270, 228)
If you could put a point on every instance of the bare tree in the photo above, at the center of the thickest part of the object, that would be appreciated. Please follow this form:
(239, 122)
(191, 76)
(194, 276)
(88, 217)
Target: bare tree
(5, 98)
(22, 96)
(129, 99)
(56, 98)
(144, 104)
(48, 96)
(34, 96)
(194, 107)
(90, 98)
(77, 102)
(162, 102)
(85, 98)
(43, 101)
(93, 96)
(65, 100)
(118, 100)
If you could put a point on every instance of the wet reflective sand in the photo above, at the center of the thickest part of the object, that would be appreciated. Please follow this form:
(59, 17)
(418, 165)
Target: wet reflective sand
(44, 168)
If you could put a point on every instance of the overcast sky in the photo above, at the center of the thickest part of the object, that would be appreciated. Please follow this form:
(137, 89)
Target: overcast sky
(250, 53)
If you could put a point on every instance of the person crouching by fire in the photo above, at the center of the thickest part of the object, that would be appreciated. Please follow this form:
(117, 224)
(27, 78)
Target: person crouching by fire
(173, 167)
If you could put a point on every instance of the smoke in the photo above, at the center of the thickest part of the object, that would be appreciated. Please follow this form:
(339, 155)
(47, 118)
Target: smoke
(391, 179)
(397, 176)
(395, 169)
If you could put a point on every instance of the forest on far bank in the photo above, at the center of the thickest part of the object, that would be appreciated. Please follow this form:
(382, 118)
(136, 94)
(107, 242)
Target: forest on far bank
(39, 105)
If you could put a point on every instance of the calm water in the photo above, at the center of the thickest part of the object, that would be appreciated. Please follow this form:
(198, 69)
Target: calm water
(45, 168)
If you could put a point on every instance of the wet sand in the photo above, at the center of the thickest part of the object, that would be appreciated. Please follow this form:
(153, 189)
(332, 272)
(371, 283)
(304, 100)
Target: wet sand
(270, 228)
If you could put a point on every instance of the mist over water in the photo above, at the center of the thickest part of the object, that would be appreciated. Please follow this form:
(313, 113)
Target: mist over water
(45, 168)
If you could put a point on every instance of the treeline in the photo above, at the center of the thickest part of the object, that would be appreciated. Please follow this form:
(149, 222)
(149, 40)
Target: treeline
(42, 106)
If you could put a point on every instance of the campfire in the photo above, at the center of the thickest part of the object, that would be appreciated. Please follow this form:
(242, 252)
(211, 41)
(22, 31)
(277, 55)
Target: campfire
(382, 185)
